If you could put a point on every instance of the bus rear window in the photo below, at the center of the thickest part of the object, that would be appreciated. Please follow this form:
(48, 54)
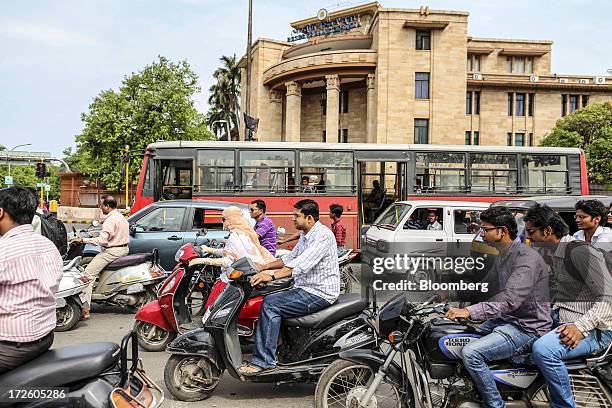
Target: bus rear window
(543, 174)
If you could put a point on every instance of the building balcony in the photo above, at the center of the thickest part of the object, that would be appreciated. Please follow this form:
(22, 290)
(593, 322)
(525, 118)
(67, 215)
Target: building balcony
(535, 81)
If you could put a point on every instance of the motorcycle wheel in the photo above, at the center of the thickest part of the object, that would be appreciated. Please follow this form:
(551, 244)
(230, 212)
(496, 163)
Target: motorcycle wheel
(67, 316)
(184, 377)
(344, 382)
(159, 339)
(346, 284)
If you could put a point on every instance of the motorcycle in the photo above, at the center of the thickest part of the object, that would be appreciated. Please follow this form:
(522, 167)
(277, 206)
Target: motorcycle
(307, 344)
(181, 296)
(96, 375)
(70, 295)
(431, 373)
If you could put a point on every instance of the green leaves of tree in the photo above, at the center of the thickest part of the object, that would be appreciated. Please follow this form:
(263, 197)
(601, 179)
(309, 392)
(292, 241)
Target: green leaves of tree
(589, 128)
(153, 104)
(224, 97)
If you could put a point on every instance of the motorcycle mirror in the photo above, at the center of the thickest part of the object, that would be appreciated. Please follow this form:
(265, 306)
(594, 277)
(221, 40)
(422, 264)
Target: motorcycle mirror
(95, 223)
(74, 231)
(280, 231)
(203, 231)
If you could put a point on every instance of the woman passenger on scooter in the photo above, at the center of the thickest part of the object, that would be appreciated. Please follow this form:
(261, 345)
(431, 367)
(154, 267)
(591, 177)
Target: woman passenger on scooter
(242, 241)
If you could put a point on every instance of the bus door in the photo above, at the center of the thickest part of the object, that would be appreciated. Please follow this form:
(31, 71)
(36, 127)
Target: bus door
(381, 182)
(174, 179)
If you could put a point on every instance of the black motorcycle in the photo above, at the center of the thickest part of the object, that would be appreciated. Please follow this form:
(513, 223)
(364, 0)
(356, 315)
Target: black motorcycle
(96, 375)
(307, 344)
(431, 373)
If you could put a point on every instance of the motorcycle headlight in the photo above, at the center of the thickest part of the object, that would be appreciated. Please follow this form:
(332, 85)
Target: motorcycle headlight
(178, 255)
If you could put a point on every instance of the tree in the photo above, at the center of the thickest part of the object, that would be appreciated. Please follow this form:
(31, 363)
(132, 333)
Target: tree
(224, 97)
(589, 128)
(154, 104)
(2, 148)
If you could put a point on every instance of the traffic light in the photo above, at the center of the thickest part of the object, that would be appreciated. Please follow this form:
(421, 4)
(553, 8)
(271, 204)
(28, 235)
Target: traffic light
(41, 170)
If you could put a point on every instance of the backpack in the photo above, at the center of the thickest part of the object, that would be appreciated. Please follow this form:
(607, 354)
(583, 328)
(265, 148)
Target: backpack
(54, 230)
(571, 268)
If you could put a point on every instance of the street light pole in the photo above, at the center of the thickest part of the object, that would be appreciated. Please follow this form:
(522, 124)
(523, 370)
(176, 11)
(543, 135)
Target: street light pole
(7, 160)
(248, 70)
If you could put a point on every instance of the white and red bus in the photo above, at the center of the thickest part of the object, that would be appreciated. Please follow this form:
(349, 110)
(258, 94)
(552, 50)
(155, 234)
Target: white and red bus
(345, 174)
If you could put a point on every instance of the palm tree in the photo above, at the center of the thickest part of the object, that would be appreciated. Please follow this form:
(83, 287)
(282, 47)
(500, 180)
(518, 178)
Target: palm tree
(224, 96)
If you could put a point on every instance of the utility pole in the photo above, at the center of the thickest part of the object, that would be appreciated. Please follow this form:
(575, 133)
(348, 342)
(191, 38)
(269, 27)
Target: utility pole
(126, 159)
(248, 70)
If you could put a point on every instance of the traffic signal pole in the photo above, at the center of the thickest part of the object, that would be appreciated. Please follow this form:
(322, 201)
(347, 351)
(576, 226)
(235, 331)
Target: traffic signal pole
(127, 176)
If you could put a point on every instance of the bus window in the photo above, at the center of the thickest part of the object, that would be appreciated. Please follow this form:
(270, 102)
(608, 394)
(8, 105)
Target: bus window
(493, 173)
(543, 174)
(440, 172)
(176, 179)
(266, 170)
(215, 171)
(329, 171)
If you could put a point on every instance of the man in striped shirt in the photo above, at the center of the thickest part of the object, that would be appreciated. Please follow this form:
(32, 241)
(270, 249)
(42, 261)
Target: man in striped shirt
(313, 263)
(582, 301)
(30, 272)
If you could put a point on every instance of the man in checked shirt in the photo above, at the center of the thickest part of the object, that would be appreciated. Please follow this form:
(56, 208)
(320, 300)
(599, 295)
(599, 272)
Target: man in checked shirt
(582, 301)
(30, 272)
(313, 263)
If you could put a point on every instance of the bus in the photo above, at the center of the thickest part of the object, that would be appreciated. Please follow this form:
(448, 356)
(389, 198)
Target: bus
(363, 178)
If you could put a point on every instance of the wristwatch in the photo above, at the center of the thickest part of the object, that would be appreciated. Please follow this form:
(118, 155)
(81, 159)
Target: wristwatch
(272, 275)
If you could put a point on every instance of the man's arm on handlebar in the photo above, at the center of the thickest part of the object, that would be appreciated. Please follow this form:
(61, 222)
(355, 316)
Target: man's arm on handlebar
(266, 275)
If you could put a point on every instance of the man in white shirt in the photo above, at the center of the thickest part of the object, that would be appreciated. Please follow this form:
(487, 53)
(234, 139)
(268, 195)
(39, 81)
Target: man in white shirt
(590, 217)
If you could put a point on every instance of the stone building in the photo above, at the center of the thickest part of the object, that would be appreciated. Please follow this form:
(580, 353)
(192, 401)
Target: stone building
(387, 75)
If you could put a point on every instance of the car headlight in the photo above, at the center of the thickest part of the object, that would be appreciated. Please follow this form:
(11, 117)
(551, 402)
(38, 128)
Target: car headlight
(178, 255)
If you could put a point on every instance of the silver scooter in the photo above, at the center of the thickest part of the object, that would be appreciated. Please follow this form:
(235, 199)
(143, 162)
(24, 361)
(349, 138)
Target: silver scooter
(70, 296)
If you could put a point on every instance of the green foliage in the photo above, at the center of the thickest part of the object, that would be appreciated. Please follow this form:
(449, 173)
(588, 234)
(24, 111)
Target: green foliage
(589, 128)
(26, 176)
(224, 97)
(154, 104)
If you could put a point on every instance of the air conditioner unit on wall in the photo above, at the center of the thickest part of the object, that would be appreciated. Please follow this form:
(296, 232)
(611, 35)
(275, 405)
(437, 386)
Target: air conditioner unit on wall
(477, 77)
(599, 80)
(534, 78)
(563, 80)
(583, 81)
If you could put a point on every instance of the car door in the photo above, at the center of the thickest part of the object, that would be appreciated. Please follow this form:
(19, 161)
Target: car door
(161, 228)
(463, 223)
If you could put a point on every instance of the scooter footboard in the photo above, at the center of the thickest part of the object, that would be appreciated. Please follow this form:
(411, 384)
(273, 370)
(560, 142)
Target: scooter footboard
(197, 342)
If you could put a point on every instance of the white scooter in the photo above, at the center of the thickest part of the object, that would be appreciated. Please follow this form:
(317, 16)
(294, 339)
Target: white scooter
(70, 296)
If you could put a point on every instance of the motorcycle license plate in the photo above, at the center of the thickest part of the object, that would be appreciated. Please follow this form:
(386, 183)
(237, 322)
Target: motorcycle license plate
(83, 297)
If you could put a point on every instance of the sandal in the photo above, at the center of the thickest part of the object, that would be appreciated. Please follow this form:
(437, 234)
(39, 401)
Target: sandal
(85, 314)
(252, 369)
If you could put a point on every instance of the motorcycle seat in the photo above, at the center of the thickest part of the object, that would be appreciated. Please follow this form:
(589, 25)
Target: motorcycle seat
(128, 260)
(272, 287)
(62, 366)
(347, 304)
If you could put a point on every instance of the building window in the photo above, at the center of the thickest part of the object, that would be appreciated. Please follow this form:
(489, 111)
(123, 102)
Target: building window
(468, 103)
(531, 139)
(422, 85)
(510, 103)
(529, 65)
(585, 100)
(530, 104)
(343, 137)
(423, 39)
(344, 106)
(477, 103)
(476, 139)
(468, 137)
(421, 131)
(324, 104)
(509, 139)
(473, 63)
(519, 65)
(519, 139)
(573, 103)
(323, 138)
(563, 105)
(509, 64)
(520, 104)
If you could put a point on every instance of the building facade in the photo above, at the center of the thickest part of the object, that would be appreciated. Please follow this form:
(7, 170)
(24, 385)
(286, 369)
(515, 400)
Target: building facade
(369, 74)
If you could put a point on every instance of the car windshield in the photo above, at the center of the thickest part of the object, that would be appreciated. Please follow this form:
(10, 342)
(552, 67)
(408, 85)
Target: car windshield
(392, 216)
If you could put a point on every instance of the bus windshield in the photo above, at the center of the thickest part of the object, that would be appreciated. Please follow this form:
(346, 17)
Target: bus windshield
(392, 216)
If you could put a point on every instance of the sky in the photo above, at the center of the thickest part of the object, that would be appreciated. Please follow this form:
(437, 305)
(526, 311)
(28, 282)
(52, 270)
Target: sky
(57, 55)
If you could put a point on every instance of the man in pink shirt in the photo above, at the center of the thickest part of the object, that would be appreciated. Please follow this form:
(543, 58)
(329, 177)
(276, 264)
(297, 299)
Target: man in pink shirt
(30, 272)
(114, 239)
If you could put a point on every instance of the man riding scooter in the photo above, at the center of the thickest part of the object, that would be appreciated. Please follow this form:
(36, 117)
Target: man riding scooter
(313, 264)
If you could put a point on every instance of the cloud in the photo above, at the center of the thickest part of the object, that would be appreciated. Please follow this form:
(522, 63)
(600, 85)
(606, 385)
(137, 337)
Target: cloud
(45, 34)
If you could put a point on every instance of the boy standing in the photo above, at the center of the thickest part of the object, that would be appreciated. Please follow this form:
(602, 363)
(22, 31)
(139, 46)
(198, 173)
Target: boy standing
(338, 227)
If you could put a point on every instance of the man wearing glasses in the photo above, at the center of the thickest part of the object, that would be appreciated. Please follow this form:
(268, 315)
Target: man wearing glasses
(264, 227)
(516, 315)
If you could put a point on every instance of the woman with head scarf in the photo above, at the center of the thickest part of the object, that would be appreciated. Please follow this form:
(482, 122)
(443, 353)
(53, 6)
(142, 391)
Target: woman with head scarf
(242, 242)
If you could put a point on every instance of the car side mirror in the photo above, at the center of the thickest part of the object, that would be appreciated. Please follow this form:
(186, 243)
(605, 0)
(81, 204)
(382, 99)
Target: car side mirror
(133, 230)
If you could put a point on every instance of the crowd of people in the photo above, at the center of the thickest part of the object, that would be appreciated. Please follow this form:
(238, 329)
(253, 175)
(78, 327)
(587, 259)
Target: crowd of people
(554, 298)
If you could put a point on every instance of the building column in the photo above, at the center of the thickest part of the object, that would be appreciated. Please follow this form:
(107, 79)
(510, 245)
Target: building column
(274, 129)
(371, 109)
(333, 108)
(294, 112)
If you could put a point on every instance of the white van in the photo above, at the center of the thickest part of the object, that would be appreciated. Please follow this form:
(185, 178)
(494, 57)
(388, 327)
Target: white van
(423, 227)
